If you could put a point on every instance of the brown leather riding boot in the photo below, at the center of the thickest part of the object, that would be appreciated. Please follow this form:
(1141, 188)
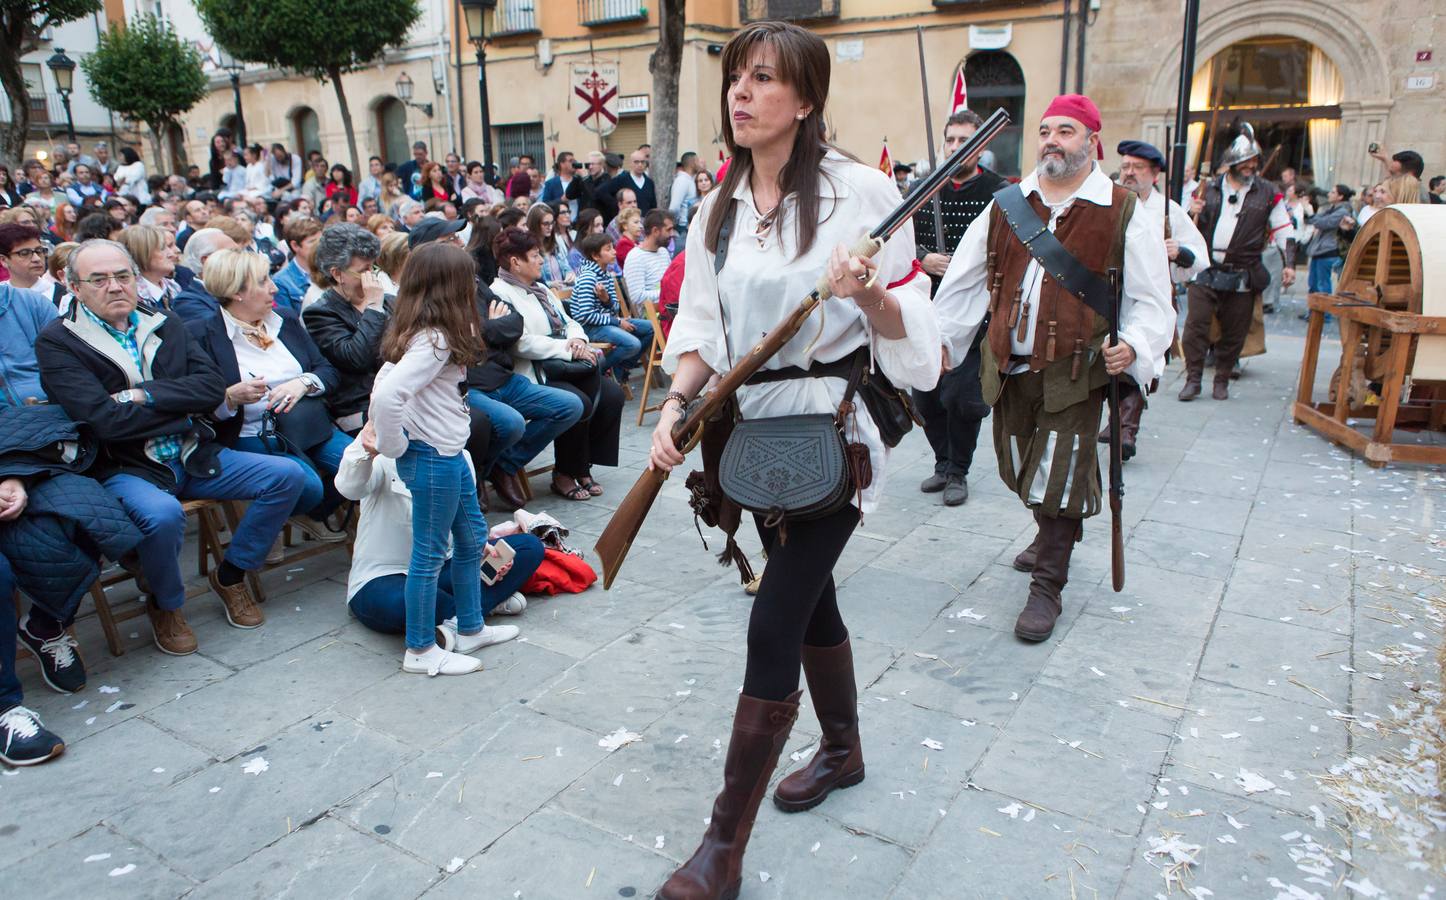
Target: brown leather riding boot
(1132, 407)
(1051, 570)
(715, 871)
(1024, 562)
(839, 761)
(1191, 390)
(1221, 389)
(508, 487)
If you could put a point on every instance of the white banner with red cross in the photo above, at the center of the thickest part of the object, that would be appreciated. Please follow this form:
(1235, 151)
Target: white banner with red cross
(595, 95)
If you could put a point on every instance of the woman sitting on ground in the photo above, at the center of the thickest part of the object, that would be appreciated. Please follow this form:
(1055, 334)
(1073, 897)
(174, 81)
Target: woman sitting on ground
(554, 351)
(377, 585)
(347, 322)
(272, 370)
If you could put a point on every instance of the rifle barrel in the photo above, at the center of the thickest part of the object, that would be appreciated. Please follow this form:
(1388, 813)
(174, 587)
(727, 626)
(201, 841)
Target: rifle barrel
(925, 189)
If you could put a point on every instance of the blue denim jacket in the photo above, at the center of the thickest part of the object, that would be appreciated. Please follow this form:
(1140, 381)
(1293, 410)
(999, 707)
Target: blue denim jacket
(22, 314)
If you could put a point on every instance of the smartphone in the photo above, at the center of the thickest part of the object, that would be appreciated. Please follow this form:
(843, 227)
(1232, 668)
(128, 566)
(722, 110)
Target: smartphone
(1374, 147)
(490, 564)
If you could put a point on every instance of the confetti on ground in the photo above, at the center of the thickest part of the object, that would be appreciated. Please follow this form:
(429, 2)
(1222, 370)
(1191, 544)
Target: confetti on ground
(620, 738)
(1097, 672)
(932, 744)
(434, 774)
(123, 870)
(968, 613)
(764, 876)
(658, 842)
(814, 848)
(255, 766)
(97, 857)
(1253, 783)
(455, 865)
(107, 689)
(1012, 810)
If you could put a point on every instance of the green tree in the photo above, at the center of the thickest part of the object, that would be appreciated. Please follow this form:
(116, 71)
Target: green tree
(324, 39)
(21, 24)
(144, 71)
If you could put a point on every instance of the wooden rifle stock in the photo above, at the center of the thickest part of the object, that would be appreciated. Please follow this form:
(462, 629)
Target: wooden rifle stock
(617, 538)
(1117, 474)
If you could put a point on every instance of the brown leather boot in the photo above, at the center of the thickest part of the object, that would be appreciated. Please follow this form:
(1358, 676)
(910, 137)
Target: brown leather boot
(1051, 570)
(1221, 389)
(715, 871)
(1191, 390)
(839, 762)
(1024, 562)
(1132, 407)
(508, 488)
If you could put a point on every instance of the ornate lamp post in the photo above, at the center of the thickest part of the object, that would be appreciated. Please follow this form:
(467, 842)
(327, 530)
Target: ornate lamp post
(233, 66)
(62, 68)
(405, 87)
(475, 12)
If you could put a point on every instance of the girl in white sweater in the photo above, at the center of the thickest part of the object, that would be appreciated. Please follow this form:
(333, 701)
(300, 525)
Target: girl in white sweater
(421, 420)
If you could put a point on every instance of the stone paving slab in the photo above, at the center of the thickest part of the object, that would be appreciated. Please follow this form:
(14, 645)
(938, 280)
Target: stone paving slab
(1257, 554)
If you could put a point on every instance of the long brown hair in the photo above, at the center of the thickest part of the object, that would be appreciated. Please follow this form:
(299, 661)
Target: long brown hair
(803, 63)
(437, 292)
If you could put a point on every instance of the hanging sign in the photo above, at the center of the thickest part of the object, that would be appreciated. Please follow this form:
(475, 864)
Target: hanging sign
(595, 95)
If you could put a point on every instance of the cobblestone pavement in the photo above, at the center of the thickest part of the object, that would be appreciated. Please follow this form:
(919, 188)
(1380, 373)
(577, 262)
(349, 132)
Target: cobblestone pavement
(1282, 610)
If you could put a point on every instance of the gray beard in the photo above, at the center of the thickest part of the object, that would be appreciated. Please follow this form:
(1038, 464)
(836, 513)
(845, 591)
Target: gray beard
(1058, 169)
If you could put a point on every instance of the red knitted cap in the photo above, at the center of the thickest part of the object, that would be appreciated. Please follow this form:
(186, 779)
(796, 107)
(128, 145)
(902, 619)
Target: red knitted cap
(1080, 108)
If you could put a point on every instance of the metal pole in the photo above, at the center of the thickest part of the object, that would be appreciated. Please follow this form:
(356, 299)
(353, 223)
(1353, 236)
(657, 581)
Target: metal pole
(1182, 103)
(486, 110)
(69, 119)
(240, 116)
(1079, 48)
(939, 244)
(1064, 48)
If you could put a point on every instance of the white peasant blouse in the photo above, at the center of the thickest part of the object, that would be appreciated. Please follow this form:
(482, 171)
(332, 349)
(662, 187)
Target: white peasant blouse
(764, 280)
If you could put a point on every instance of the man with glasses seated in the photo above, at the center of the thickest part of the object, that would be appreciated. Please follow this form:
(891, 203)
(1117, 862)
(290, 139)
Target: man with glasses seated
(142, 385)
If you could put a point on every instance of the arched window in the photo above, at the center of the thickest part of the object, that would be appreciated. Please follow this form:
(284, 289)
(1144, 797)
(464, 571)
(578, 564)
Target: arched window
(995, 81)
(305, 131)
(392, 128)
(1286, 88)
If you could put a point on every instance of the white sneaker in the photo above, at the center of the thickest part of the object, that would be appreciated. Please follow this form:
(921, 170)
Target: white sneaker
(437, 661)
(317, 531)
(489, 635)
(511, 606)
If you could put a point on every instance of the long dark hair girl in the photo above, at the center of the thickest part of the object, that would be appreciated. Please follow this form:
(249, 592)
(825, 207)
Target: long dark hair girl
(802, 60)
(437, 292)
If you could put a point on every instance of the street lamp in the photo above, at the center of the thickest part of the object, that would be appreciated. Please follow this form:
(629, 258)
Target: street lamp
(404, 93)
(475, 12)
(233, 66)
(62, 68)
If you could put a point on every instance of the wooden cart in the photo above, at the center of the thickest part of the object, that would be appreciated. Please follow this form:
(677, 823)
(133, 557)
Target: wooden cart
(1391, 303)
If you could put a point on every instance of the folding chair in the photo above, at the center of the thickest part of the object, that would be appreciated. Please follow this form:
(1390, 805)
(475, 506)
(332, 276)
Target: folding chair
(655, 359)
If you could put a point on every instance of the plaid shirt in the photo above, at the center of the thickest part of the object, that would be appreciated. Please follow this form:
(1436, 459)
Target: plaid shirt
(166, 447)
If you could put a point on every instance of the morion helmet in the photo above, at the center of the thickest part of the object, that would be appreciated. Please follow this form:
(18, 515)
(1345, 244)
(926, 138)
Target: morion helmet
(1243, 147)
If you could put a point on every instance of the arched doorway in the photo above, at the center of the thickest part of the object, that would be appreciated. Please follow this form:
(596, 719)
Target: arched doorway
(305, 131)
(1290, 93)
(392, 129)
(996, 81)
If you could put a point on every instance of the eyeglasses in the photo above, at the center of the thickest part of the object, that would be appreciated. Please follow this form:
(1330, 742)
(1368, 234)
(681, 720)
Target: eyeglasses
(31, 252)
(122, 279)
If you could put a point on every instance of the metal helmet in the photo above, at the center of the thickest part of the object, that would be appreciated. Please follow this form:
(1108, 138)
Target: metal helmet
(1243, 147)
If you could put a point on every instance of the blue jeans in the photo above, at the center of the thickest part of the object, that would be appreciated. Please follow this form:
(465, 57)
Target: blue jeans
(628, 347)
(318, 495)
(271, 483)
(541, 413)
(10, 693)
(1319, 278)
(444, 503)
(380, 607)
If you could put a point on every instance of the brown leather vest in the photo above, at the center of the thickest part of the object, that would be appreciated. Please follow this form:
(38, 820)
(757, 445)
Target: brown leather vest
(1066, 329)
(1252, 227)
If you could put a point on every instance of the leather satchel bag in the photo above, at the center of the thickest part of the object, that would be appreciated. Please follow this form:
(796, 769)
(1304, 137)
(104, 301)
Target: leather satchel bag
(787, 468)
(307, 426)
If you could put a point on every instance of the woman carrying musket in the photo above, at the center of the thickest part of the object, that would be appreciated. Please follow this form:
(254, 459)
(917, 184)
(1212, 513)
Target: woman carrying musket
(800, 203)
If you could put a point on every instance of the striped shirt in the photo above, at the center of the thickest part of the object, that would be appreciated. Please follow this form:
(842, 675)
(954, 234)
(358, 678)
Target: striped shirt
(584, 305)
(168, 446)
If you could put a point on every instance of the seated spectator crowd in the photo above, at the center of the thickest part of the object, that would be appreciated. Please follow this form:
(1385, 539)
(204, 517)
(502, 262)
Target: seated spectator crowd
(255, 335)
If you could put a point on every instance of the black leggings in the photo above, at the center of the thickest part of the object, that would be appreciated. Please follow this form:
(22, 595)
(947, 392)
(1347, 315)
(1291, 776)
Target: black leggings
(796, 602)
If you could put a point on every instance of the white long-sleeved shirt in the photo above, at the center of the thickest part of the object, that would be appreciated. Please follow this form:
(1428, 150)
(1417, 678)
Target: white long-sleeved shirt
(1147, 320)
(1183, 231)
(643, 273)
(417, 398)
(258, 182)
(765, 280)
(1278, 221)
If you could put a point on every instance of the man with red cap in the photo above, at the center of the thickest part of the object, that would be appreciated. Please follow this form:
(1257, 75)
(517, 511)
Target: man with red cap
(1036, 262)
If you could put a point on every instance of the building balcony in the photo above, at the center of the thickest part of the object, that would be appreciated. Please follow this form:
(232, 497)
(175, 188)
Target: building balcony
(515, 17)
(787, 10)
(45, 109)
(609, 12)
